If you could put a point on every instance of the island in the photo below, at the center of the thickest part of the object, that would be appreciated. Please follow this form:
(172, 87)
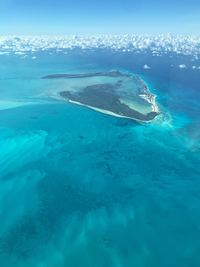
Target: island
(113, 93)
(85, 75)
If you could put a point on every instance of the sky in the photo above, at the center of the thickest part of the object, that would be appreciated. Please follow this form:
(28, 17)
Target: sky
(62, 17)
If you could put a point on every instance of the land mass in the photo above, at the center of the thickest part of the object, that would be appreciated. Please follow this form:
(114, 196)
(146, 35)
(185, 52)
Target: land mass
(106, 98)
(87, 75)
(102, 97)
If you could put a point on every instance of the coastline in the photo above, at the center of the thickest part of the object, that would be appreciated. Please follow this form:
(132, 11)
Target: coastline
(104, 99)
(107, 112)
(149, 96)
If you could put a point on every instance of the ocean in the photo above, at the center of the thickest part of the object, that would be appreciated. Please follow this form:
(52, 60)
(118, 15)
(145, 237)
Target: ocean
(82, 188)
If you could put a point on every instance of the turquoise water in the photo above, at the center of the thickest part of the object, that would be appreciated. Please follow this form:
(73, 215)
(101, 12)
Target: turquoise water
(80, 188)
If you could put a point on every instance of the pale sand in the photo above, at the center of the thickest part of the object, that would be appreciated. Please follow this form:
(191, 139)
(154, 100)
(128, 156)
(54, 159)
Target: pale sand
(110, 113)
(152, 100)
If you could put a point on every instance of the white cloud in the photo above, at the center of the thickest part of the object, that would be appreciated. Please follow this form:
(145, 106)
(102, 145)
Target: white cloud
(182, 66)
(157, 45)
(147, 67)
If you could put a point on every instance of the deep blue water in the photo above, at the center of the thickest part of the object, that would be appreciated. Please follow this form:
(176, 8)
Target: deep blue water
(80, 188)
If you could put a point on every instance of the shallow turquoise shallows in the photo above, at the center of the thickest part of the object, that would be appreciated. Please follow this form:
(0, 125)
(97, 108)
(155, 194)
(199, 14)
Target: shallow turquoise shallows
(79, 188)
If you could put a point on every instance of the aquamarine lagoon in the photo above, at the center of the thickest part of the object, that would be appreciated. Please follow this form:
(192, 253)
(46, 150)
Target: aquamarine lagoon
(80, 187)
